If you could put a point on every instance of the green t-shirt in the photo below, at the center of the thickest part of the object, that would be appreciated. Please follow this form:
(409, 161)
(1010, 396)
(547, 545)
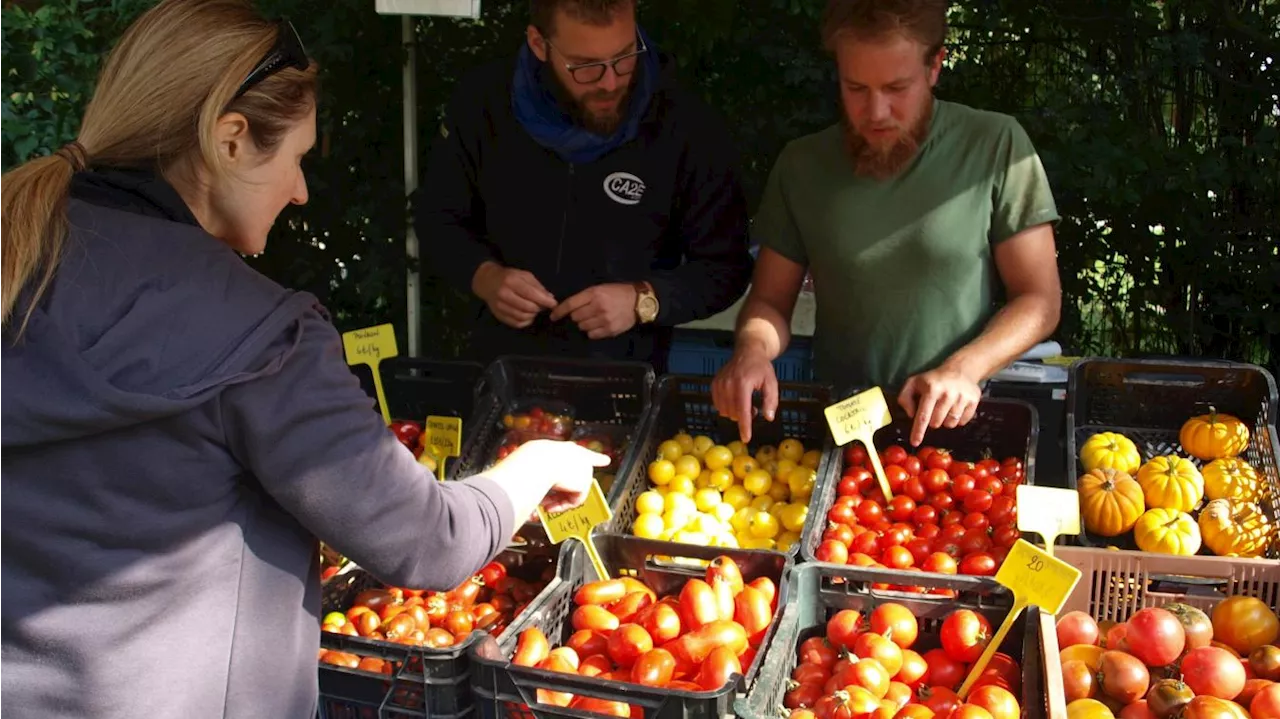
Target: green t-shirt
(902, 269)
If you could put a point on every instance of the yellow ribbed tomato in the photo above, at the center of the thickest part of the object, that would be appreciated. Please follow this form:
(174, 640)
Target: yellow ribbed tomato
(1214, 436)
(1235, 529)
(1171, 482)
(1110, 450)
(1167, 531)
(1231, 479)
(1110, 501)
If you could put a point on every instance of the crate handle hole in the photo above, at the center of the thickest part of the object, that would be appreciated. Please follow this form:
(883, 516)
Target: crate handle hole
(1165, 379)
(1176, 584)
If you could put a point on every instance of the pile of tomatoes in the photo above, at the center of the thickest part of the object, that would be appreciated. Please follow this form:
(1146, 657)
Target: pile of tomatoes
(1174, 662)
(487, 601)
(946, 516)
(865, 667)
(696, 640)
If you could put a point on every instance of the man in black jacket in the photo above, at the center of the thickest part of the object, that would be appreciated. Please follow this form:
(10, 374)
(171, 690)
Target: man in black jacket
(585, 198)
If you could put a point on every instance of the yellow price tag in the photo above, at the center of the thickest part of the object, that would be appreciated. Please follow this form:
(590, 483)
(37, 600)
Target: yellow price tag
(858, 417)
(1049, 512)
(578, 523)
(1035, 577)
(370, 346)
(443, 439)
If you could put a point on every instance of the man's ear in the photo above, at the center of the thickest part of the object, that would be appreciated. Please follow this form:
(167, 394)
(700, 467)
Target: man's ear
(935, 66)
(537, 43)
(232, 135)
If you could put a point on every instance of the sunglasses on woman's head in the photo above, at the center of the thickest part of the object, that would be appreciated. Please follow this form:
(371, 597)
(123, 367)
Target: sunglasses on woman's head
(287, 52)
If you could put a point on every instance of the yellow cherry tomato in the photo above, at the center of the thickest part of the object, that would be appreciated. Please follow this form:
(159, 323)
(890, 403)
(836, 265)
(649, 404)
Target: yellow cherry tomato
(720, 479)
(744, 465)
(790, 449)
(707, 500)
(688, 465)
(766, 454)
(786, 540)
(738, 448)
(764, 526)
(780, 491)
(737, 496)
(758, 482)
(762, 503)
(650, 503)
(811, 459)
(724, 511)
(718, 457)
(793, 517)
(661, 471)
(800, 482)
(685, 440)
(648, 526)
(701, 444)
(683, 485)
(670, 450)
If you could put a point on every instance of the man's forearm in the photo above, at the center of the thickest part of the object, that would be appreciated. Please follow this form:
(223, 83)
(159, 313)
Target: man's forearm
(1016, 328)
(762, 328)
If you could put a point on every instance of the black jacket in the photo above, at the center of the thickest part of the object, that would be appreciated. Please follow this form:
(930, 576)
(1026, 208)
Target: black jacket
(666, 207)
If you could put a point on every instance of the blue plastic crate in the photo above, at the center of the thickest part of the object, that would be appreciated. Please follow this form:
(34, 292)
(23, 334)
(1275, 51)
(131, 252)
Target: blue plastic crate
(704, 353)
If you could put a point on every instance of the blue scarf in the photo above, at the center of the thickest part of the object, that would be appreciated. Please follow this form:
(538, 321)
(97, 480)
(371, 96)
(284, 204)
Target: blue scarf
(542, 116)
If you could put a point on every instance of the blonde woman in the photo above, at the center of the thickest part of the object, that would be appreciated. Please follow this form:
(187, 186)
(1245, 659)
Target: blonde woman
(177, 428)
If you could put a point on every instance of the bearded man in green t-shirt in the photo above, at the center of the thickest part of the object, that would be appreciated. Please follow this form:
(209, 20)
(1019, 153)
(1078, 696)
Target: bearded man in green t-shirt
(913, 215)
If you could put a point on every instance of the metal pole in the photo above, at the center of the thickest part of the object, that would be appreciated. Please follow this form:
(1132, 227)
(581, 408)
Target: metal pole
(413, 291)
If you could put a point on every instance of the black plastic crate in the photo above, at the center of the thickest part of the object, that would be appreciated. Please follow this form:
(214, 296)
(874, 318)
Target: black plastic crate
(818, 591)
(439, 675)
(1149, 400)
(416, 388)
(354, 693)
(682, 403)
(600, 393)
(503, 689)
(999, 428)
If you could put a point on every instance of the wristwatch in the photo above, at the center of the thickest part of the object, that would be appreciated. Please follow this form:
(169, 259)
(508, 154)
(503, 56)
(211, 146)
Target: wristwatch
(646, 303)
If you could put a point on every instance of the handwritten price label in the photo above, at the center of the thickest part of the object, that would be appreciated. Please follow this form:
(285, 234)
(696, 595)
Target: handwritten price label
(443, 437)
(578, 523)
(370, 346)
(858, 418)
(1049, 512)
(1035, 577)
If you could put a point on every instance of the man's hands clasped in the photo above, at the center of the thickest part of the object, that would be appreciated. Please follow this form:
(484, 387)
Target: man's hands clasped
(601, 311)
(516, 297)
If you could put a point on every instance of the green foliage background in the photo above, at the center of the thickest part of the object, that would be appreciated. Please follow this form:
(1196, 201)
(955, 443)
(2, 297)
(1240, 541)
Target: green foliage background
(1157, 122)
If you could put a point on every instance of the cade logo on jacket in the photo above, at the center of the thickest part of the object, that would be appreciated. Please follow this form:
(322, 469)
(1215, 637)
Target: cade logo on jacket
(624, 188)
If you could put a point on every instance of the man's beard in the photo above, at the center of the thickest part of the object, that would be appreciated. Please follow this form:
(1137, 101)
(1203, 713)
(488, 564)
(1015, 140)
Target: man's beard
(603, 124)
(883, 163)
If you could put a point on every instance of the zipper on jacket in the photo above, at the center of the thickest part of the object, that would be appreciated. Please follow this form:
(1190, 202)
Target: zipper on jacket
(564, 219)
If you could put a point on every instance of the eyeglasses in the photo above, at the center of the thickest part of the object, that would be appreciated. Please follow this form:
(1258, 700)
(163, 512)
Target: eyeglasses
(287, 52)
(591, 72)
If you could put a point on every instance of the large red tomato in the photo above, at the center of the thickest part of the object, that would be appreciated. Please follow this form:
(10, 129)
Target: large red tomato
(1212, 671)
(1266, 703)
(1077, 627)
(1245, 623)
(843, 628)
(1156, 637)
(1077, 681)
(1123, 677)
(999, 702)
(895, 622)
(944, 671)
